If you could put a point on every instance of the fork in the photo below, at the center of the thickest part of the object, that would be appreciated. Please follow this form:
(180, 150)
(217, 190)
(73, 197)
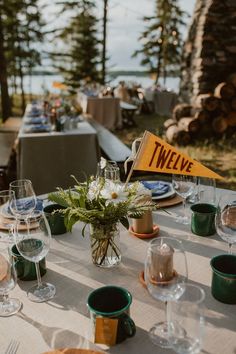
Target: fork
(12, 347)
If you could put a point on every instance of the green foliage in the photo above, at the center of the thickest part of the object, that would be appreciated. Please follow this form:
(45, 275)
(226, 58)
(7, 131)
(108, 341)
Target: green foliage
(100, 203)
(162, 39)
(81, 56)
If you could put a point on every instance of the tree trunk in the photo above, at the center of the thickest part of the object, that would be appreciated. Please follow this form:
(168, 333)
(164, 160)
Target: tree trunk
(23, 104)
(104, 40)
(5, 98)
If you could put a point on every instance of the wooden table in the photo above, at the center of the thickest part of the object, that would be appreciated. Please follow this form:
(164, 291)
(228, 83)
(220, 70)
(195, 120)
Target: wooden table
(64, 321)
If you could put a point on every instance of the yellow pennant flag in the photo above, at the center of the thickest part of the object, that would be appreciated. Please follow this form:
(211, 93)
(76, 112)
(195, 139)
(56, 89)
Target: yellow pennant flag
(154, 154)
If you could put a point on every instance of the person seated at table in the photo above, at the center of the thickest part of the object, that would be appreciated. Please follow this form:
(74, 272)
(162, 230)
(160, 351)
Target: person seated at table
(122, 92)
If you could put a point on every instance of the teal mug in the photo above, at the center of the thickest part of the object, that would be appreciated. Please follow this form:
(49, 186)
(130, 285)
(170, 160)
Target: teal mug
(203, 219)
(55, 218)
(110, 306)
(25, 269)
(223, 285)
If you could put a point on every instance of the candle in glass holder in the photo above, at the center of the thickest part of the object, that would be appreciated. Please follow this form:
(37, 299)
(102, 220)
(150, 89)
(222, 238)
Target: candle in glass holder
(162, 263)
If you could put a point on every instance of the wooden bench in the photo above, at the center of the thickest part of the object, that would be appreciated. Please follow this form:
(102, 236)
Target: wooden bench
(127, 111)
(112, 147)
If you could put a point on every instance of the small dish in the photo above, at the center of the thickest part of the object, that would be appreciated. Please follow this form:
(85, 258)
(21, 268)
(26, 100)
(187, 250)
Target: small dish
(152, 234)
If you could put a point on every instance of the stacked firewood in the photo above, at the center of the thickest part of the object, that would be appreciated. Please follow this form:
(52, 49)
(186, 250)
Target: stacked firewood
(211, 115)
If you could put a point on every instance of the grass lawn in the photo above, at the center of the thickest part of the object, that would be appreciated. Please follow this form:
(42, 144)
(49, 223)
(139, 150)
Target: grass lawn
(218, 155)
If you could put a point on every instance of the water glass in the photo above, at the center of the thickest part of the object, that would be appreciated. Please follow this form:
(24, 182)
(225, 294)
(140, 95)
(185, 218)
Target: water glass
(6, 222)
(165, 274)
(8, 279)
(206, 190)
(187, 320)
(112, 171)
(225, 220)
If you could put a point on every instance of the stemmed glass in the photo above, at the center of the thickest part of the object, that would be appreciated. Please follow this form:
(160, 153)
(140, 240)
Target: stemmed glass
(187, 320)
(225, 220)
(184, 187)
(32, 238)
(23, 201)
(6, 223)
(165, 275)
(8, 279)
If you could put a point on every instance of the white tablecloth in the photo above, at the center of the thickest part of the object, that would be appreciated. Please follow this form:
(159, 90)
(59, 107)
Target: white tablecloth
(163, 101)
(64, 321)
(49, 159)
(105, 110)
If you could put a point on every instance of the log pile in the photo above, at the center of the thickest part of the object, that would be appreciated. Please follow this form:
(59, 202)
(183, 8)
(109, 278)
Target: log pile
(211, 115)
(209, 54)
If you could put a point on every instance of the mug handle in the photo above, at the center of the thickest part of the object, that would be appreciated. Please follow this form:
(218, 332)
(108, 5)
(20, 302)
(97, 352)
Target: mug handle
(128, 325)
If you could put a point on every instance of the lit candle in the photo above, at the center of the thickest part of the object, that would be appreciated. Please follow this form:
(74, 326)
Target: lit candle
(162, 263)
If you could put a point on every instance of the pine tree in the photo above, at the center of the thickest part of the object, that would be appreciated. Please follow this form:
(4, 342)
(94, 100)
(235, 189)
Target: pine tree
(162, 39)
(81, 56)
(20, 32)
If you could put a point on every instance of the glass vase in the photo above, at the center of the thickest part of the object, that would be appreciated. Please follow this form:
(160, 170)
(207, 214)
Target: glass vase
(105, 245)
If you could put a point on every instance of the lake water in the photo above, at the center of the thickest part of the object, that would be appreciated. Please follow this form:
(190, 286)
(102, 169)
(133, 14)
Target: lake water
(43, 83)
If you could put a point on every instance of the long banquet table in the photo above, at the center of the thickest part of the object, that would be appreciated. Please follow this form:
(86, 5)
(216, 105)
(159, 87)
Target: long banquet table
(49, 159)
(64, 321)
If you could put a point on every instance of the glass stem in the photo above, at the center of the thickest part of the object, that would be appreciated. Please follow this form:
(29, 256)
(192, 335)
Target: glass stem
(184, 207)
(230, 248)
(168, 316)
(39, 279)
(5, 298)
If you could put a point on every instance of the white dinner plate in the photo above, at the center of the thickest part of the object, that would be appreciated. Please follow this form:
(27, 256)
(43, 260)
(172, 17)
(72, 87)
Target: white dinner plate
(4, 211)
(170, 193)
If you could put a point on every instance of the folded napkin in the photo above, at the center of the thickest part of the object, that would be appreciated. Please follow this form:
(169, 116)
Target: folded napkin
(37, 128)
(157, 188)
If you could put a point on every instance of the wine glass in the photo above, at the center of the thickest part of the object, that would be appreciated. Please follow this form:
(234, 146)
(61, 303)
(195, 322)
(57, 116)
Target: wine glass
(225, 220)
(23, 201)
(187, 320)
(165, 275)
(32, 239)
(184, 187)
(6, 221)
(8, 279)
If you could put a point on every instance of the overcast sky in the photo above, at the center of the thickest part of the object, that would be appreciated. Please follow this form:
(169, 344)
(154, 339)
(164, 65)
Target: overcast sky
(125, 24)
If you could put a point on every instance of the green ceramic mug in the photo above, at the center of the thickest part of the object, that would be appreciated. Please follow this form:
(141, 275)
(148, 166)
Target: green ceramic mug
(223, 285)
(203, 219)
(25, 269)
(55, 219)
(109, 310)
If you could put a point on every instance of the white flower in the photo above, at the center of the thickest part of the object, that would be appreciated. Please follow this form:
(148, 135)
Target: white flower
(114, 192)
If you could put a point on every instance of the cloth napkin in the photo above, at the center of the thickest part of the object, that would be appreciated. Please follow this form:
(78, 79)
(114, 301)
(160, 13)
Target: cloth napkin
(157, 188)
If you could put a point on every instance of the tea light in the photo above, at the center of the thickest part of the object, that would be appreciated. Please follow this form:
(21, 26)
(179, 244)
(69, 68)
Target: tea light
(162, 263)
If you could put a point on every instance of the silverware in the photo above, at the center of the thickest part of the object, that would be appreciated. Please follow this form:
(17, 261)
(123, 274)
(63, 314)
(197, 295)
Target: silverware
(12, 347)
